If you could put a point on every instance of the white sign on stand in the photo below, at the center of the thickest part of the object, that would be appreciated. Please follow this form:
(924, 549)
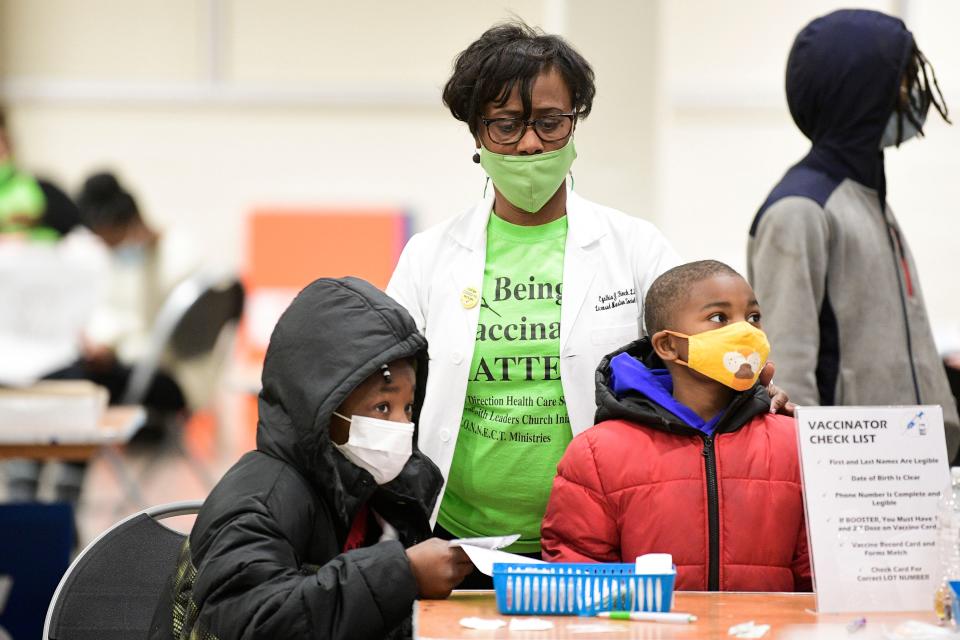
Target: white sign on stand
(872, 477)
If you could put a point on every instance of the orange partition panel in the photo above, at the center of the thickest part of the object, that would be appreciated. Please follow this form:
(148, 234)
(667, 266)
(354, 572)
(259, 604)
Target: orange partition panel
(287, 249)
(291, 248)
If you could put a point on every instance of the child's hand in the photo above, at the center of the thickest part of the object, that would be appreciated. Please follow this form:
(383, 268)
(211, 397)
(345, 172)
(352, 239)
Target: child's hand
(438, 567)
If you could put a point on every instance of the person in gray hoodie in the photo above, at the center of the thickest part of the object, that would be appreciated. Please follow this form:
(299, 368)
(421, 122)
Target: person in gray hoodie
(842, 301)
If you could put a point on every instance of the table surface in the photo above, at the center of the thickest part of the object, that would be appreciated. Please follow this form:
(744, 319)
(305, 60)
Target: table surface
(117, 426)
(790, 615)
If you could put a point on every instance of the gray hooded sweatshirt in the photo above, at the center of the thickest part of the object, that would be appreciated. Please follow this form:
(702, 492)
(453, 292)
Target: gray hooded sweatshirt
(838, 285)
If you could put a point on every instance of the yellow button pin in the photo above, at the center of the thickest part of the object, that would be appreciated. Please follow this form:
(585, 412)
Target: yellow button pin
(469, 298)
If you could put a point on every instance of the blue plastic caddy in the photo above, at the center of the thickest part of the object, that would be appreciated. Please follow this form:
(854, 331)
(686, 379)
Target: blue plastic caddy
(579, 589)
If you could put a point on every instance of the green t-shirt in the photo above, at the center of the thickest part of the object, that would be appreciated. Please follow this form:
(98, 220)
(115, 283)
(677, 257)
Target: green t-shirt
(21, 199)
(515, 426)
(22, 205)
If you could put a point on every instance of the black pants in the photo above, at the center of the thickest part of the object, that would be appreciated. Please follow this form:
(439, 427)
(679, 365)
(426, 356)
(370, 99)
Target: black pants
(475, 579)
(163, 395)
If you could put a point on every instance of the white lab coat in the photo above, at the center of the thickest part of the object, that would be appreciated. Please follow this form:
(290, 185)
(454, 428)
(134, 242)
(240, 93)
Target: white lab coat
(608, 254)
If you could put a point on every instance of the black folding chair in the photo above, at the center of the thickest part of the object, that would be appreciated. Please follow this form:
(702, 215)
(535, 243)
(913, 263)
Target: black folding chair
(188, 325)
(111, 589)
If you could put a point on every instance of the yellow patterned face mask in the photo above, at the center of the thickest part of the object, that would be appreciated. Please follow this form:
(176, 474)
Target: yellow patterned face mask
(732, 355)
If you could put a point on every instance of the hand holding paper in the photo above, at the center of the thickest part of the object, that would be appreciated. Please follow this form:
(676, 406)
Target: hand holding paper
(437, 567)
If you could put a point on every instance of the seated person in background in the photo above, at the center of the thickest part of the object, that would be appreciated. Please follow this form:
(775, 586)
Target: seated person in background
(30, 206)
(139, 278)
(323, 531)
(119, 330)
(686, 457)
(35, 211)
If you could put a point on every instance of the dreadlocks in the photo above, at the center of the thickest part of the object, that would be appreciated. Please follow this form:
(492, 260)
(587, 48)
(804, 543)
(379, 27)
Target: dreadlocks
(918, 91)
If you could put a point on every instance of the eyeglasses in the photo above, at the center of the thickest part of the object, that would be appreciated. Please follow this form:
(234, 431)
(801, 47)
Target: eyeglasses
(552, 128)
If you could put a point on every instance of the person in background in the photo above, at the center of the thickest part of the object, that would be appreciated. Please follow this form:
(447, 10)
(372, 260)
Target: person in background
(30, 206)
(119, 330)
(826, 256)
(36, 211)
(685, 457)
(520, 296)
(323, 531)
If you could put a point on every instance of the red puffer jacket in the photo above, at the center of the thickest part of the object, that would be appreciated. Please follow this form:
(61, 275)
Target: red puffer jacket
(728, 507)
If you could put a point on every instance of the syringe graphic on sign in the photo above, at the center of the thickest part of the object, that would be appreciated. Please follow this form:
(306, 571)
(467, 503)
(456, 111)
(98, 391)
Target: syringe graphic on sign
(917, 425)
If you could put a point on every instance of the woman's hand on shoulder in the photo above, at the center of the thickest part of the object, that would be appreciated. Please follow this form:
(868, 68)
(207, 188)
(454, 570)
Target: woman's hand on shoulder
(779, 400)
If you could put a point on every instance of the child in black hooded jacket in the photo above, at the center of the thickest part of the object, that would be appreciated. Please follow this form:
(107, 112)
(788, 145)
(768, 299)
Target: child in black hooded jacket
(323, 530)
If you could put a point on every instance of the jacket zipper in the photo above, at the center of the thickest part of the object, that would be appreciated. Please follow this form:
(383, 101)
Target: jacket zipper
(903, 271)
(901, 256)
(713, 514)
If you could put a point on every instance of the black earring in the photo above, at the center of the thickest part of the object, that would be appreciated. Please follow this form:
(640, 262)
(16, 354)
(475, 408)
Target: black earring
(476, 157)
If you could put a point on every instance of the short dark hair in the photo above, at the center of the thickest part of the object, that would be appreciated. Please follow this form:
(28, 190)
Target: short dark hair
(103, 202)
(669, 290)
(509, 54)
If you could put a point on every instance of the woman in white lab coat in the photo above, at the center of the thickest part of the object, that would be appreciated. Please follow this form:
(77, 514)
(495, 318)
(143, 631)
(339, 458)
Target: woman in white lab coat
(522, 295)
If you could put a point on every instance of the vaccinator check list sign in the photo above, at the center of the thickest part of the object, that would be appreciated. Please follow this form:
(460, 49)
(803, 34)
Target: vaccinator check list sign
(872, 477)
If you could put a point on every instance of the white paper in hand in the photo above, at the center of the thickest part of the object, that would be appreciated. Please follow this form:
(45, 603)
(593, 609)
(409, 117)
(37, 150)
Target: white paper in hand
(483, 559)
(490, 542)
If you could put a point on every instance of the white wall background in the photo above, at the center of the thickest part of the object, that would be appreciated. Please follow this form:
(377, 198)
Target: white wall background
(210, 108)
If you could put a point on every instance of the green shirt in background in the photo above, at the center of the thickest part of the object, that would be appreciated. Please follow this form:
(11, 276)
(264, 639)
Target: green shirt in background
(515, 426)
(22, 204)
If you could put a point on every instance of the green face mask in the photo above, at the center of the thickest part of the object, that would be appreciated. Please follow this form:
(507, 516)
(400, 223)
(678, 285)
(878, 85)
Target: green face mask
(529, 181)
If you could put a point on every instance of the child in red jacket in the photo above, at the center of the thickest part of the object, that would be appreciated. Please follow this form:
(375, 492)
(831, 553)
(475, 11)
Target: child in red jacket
(687, 459)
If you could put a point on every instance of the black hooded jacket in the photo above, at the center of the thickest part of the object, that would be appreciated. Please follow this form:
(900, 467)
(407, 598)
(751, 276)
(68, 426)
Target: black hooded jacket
(264, 557)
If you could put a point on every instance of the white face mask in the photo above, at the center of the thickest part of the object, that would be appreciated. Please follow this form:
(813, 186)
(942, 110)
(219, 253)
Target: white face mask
(908, 130)
(130, 255)
(381, 447)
